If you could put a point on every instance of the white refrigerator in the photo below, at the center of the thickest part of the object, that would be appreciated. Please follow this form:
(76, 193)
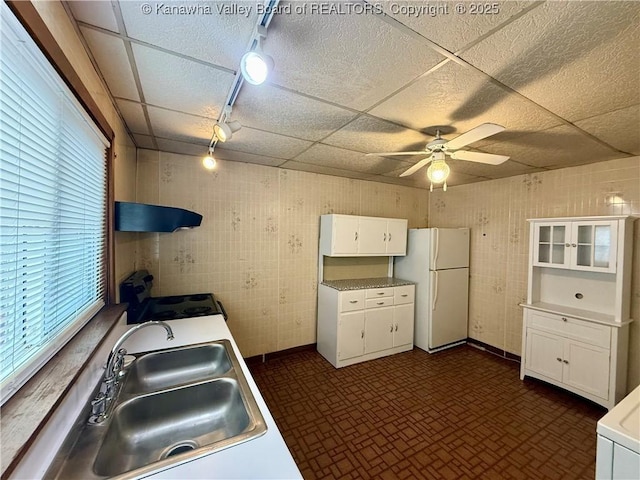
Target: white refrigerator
(437, 261)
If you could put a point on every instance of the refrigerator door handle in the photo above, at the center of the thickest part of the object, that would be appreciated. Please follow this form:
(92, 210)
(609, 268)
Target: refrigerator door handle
(434, 260)
(435, 291)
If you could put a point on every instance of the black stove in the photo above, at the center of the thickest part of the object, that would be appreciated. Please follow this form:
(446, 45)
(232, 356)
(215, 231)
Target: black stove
(136, 291)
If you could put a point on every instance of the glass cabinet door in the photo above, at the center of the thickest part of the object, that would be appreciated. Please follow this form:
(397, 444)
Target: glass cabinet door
(551, 244)
(595, 246)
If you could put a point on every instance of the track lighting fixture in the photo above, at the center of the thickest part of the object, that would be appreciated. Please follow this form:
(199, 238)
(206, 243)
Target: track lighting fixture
(256, 65)
(209, 162)
(223, 130)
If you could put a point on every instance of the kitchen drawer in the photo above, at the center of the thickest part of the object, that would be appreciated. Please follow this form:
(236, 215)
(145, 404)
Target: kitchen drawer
(583, 331)
(379, 302)
(379, 292)
(587, 332)
(403, 294)
(351, 300)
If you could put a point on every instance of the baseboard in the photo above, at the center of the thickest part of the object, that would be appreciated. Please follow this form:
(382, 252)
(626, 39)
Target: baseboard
(491, 349)
(279, 354)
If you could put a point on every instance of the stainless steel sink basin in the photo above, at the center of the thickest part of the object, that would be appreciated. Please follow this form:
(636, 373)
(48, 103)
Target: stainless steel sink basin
(152, 427)
(159, 370)
(175, 405)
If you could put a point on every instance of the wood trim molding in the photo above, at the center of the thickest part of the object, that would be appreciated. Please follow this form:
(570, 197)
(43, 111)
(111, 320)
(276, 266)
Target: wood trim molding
(33, 23)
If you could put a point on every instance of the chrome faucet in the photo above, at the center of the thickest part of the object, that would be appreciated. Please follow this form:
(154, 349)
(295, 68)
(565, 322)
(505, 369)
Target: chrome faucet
(108, 390)
(117, 353)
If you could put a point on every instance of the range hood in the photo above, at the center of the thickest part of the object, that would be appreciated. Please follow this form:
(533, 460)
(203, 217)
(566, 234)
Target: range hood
(142, 217)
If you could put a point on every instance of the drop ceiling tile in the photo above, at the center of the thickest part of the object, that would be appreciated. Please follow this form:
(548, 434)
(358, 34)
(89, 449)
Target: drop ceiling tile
(208, 34)
(352, 60)
(327, 156)
(458, 96)
(133, 116)
(566, 146)
(269, 144)
(98, 13)
(144, 141)
(172, 82)
(235, 156)
(112, 59)
(578, 59)
(183, 148)
(180, 126)
(442, 24)
(269, 108)
(313, 168)
(370, 134)
(620, 129)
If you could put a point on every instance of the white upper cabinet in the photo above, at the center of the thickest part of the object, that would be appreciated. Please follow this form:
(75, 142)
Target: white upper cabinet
(345, 239)
(352, 236)
(578, 245)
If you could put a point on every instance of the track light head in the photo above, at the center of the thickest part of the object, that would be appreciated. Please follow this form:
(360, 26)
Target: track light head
(224, 130)
(256, 65)
(209, 162)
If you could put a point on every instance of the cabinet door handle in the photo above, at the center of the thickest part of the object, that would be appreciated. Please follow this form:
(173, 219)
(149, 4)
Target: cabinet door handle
(391, 331)
(567, 244)
(558, 359)
(565, 361)
(361, 333)
(384, 238)
(573, 245)
(396, 327)
(353, 301)
(563, 319)
(380, 293)
(380, 303)
(389, 237)
(404, 295)
(356, 237)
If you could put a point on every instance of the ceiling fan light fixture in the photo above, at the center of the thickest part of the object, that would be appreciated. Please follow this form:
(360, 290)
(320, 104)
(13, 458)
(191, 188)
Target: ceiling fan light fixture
(438, 172)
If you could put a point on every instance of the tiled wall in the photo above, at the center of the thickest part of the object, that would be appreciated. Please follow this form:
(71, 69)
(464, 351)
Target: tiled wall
(496, 211)
(257, 247)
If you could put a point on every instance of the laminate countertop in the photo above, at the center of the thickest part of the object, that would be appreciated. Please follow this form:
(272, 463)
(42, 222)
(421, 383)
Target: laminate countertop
(363, 283)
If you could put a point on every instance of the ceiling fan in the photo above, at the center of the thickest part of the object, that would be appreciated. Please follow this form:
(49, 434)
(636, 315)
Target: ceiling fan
(439, 147)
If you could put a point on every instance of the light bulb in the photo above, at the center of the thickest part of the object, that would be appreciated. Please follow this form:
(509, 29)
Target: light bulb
(438, 171)
(209, 162)
(255, 67)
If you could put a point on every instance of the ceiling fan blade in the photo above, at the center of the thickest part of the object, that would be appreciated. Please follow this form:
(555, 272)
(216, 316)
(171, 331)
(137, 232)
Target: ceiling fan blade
(481, 131)
(416, 167)
(488, 158)
(389, 154)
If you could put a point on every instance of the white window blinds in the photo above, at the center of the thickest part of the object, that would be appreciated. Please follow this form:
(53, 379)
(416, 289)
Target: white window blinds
(52, 210)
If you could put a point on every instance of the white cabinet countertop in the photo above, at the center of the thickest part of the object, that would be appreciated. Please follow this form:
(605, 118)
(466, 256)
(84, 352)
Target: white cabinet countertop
(622, 423)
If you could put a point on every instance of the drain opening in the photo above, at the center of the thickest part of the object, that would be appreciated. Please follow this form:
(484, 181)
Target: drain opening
(178, 449)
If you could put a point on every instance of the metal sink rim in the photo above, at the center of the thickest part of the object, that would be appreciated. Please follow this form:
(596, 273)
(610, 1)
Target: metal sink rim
(85, 455)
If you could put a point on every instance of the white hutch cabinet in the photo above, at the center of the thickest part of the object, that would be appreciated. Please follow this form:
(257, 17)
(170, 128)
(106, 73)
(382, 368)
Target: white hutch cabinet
(576, 319)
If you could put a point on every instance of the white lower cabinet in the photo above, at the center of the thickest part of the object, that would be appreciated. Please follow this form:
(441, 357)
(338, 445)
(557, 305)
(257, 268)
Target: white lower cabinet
(359, 325)
(576, 354)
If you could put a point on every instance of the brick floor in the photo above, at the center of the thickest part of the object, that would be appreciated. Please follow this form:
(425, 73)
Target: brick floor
(461, 413)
